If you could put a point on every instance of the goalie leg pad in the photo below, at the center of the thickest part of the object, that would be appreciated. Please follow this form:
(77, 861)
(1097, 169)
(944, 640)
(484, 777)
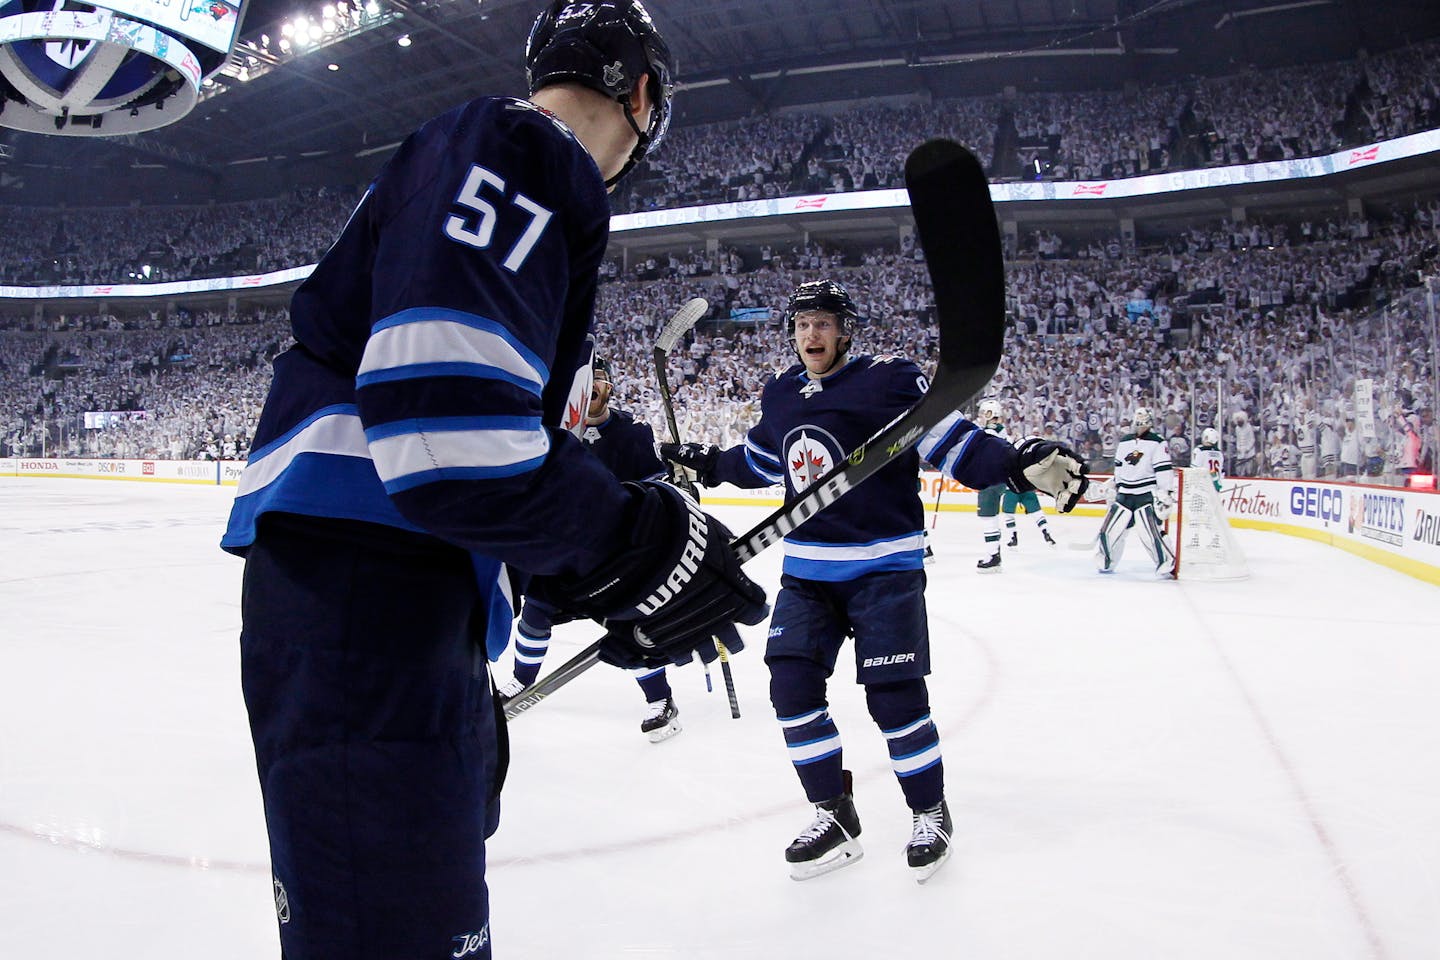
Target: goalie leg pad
(1154, 540)
(1110, 544)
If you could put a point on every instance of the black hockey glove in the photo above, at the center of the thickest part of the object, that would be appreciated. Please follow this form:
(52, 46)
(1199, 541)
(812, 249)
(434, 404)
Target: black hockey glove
(700, 457)
(673, 586)
(1051, 468)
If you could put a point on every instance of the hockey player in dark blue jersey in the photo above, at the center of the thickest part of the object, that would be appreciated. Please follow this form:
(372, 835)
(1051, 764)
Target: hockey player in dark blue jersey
(627, 447)
(857, 569)
(412, 454)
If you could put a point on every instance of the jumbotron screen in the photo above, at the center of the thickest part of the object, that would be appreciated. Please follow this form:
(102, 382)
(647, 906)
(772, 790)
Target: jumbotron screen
(211, 22)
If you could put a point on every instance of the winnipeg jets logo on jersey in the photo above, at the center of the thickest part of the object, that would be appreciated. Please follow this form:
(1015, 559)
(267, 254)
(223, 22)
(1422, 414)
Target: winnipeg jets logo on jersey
(809, 456)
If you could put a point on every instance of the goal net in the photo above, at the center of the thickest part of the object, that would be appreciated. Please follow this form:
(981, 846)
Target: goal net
(1205, 546)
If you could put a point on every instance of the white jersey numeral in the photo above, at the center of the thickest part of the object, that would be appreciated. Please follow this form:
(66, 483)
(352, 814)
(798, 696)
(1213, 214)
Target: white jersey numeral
(483, 232)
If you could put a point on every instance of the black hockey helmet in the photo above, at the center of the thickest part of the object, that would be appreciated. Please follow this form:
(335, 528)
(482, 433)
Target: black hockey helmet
(827, 295)
(600, 369)
(830, 296)
(607, 46)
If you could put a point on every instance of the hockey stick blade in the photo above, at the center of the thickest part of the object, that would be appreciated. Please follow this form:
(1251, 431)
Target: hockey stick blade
(956, 227)
(679, 325)
(686, 317)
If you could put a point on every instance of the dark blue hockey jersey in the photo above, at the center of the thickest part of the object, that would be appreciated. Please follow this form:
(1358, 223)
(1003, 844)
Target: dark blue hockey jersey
(440, 347)
(806, 427)
(625, 446)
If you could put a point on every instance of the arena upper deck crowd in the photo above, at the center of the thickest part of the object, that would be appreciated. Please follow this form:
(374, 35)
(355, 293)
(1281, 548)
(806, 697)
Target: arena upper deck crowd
(1256, 115)
(1265, 327)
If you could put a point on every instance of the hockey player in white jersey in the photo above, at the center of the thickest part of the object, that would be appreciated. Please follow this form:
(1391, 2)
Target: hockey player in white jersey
(1209, 456)
(989, 498)
(1144, 493)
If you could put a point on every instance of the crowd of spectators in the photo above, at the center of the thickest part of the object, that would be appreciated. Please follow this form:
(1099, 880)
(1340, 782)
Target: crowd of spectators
(47, 246)
(1261, 329)
(188, 386)
(1257, 115)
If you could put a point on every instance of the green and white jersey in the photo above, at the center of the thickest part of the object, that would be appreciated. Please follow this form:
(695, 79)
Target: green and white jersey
(1142, 464)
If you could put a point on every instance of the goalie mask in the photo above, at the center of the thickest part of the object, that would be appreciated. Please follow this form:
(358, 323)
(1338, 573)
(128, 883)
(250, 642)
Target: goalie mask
(826, 296)
(606, 46)
(1142, 419)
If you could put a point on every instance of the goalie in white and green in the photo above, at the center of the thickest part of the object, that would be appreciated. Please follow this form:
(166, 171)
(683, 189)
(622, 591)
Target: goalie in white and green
(1144, 495)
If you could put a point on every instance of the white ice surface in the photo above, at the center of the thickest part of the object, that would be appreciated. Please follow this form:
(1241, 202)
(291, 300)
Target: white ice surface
(1136, 769)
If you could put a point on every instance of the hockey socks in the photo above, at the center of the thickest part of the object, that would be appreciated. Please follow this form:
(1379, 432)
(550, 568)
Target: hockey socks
(814, 746)
(532, 642)
(655, 684)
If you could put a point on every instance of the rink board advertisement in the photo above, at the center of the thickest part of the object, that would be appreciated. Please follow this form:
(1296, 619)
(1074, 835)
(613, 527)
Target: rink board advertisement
(1392, 526)
(1396, 527)
(208, 472)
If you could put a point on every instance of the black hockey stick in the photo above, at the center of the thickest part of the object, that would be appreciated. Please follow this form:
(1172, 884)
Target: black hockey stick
(685, 318)
(955, 222)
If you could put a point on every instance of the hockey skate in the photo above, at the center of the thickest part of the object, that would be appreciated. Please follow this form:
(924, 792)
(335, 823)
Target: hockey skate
(509, 690)
(829, 843)
(992, 565)
(929, 845)
(1014, 540)
(1048, 539)
(662, 722)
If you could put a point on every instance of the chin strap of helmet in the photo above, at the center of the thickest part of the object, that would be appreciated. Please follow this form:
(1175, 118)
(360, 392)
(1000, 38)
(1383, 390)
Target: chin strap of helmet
(642, 142)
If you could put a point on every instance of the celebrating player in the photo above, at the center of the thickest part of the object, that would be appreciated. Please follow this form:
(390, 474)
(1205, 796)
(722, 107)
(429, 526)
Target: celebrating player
(1144, 494)
(857, 568)
(412, 448)
(627, 447)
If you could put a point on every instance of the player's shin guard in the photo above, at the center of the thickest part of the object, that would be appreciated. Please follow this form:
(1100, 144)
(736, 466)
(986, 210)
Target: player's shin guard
(797, 692)
(902, 711)
(1110, 544)
(814, 746)
(654, 683)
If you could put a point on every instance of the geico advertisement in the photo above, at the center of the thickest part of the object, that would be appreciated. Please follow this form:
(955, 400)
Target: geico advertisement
(1396, 520)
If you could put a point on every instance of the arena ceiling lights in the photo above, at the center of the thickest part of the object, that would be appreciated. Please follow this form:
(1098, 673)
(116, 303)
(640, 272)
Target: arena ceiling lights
(301, 34)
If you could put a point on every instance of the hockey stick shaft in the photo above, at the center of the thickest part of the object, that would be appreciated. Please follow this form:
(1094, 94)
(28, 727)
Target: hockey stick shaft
(955, 221)
(729, 678)
(685, 318)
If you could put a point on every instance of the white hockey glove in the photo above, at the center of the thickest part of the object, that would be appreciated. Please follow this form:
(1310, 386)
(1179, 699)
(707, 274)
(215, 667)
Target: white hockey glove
(1051, 468)
(1164, 503)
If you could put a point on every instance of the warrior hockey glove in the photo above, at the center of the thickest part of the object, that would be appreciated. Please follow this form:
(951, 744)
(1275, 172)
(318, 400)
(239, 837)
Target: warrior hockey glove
(667, 591)
(700, 457)
(1051, 468)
